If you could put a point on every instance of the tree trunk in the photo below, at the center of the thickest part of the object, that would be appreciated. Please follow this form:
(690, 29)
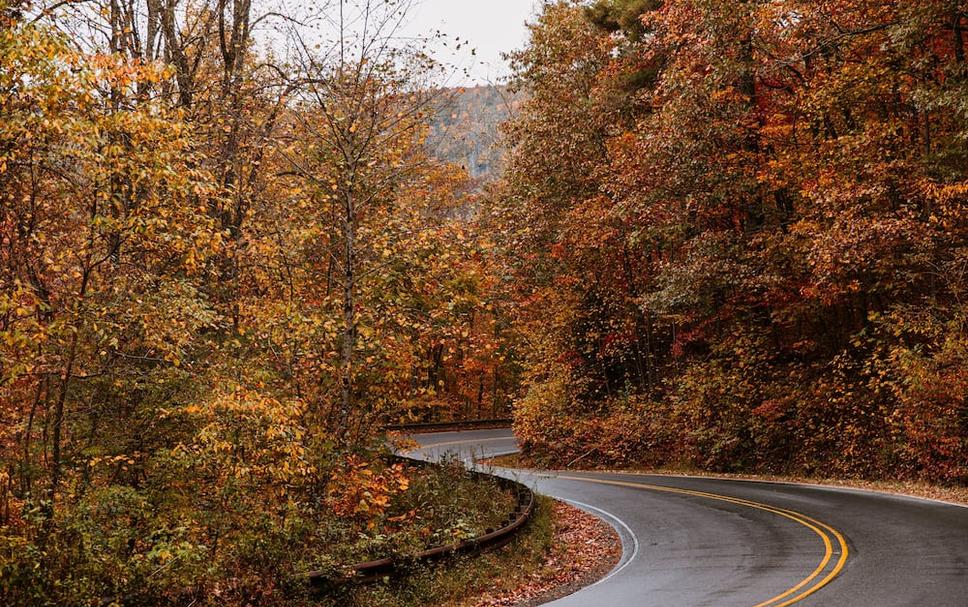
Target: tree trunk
(959, 40)
(59, 406)
(349, 318)
(176, 55)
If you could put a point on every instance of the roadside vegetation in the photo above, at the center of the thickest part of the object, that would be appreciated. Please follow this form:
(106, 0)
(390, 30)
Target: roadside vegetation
(560, 550)
(222, 270)
(462, 579)
(126, 547)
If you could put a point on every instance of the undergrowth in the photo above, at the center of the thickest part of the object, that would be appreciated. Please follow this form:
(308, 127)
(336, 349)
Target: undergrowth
(450, 581)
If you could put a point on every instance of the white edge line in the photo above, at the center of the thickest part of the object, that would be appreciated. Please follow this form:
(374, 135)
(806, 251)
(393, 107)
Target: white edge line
(615, 522)
(627, 555)
(846, 488)
(459, 443)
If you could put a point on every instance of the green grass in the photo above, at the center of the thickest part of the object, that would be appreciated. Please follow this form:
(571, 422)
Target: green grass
(446, 504)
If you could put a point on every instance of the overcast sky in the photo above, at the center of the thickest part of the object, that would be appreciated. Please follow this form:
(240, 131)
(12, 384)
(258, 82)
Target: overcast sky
(491, 27)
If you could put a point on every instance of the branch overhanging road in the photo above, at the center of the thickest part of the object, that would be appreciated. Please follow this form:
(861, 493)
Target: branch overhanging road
(692, 542)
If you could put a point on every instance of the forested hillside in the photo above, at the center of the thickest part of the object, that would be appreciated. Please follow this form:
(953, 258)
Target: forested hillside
(736, 235)
(236, 243)
(466, 128)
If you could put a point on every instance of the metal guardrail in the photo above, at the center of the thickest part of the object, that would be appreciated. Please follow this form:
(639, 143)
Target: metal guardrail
(474, 424)
(371, 571)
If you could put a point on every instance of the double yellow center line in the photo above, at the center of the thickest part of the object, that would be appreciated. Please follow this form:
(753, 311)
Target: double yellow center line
(828, 535)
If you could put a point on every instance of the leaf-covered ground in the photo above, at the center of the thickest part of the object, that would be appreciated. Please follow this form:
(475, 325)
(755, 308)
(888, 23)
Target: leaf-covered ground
(561, 550)
(585, 549)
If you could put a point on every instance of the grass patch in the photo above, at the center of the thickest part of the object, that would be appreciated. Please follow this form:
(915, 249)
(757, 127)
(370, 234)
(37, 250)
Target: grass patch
(446, 503)
(459, 579)
(442, 504)
(512, 460)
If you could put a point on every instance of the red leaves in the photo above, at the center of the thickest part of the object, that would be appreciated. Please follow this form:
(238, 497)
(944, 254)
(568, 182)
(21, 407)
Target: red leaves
(719, 238)
(585, 548)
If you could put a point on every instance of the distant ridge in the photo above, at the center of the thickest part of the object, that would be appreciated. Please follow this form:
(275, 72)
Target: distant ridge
(466, 128)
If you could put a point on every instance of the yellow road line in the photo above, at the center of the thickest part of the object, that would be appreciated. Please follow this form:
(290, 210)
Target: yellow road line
(816, 526)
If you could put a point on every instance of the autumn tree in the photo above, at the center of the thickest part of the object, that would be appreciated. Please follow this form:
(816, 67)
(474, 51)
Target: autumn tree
(765, 187)
(100, 243)
(360, 118)
(221, 271)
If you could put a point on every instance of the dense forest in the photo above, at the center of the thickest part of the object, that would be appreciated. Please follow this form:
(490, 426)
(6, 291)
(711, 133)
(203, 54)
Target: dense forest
(736, 232)
(726, 235)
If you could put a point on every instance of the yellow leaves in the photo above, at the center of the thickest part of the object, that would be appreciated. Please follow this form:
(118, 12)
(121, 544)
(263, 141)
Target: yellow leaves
(109, 461)
(360, 492)
(268, 432)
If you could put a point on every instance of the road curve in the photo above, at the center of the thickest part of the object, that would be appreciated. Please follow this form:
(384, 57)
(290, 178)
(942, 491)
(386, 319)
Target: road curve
(692, 542)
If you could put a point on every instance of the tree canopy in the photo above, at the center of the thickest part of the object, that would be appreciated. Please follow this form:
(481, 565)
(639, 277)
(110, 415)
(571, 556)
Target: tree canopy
(738, 233)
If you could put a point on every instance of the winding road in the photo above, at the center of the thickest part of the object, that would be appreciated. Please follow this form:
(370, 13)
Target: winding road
(692, 542)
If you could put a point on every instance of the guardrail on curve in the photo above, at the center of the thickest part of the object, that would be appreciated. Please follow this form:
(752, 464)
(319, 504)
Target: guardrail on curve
(493, 538)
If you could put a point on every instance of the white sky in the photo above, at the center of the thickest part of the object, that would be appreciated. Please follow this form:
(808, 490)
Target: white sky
(491, 27)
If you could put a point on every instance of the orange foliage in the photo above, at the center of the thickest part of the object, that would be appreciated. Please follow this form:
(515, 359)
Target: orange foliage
(745, 232)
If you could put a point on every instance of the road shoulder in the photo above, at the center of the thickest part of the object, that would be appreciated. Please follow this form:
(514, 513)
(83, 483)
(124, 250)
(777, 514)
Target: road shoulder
(950, 495)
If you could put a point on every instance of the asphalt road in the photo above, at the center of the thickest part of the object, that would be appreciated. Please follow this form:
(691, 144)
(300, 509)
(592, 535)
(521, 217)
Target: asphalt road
(691, 542)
